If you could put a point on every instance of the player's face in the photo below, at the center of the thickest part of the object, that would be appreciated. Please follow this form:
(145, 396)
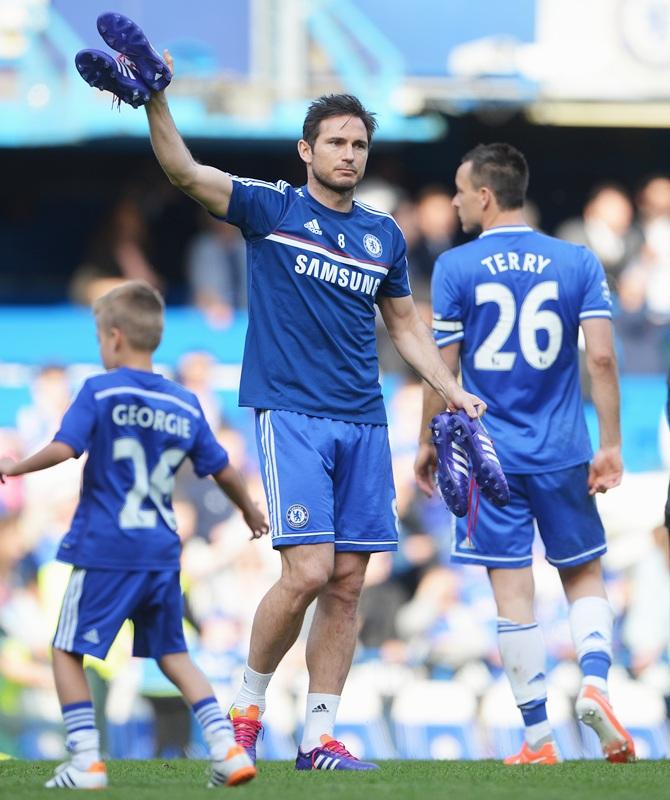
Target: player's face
(339, 154)
(468, 200)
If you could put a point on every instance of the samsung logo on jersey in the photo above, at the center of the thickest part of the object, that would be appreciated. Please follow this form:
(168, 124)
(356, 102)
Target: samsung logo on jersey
(156, 419)
(334, 273)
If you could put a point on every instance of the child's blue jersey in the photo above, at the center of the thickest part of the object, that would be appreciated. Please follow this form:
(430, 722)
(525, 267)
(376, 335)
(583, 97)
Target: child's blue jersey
(514, 299)
(137, 427)
(313, 276)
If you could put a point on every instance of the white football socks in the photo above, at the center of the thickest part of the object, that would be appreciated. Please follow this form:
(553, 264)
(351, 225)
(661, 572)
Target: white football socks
(252, 691)
(523, 656)
(320, 716)
(84, 747)
(591, 620)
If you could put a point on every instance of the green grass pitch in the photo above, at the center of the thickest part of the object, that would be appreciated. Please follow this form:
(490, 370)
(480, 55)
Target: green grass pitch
(400, 780)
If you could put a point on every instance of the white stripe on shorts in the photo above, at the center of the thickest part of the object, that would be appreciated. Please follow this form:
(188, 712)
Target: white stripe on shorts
(275, 473)
(266, 468)
(69, 615)
(271, 476)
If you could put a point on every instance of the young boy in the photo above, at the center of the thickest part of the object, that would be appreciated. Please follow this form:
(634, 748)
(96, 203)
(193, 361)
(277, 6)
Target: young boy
(137, 427)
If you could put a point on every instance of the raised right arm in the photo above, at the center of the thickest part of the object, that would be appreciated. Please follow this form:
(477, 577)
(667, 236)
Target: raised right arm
(209, 186)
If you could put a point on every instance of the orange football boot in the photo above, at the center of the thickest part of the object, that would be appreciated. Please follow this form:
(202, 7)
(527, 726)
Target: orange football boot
(547, 754)
(594, 710)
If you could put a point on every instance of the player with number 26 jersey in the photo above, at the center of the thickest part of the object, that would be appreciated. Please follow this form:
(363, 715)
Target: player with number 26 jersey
(514, 298)
(138, 427)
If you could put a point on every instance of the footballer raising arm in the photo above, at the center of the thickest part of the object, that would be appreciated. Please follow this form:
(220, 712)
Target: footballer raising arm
(209, 186)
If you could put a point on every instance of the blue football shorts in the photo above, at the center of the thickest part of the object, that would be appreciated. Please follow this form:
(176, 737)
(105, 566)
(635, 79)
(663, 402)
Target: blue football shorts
(97, 602)
(566, 516)
(327, 481)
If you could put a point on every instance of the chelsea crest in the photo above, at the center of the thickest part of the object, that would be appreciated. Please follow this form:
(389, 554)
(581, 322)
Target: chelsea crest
(297, 516)
(372, 245)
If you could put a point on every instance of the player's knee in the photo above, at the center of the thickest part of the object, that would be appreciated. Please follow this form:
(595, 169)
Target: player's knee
(306, 582)
(345, 588)
(514, 597)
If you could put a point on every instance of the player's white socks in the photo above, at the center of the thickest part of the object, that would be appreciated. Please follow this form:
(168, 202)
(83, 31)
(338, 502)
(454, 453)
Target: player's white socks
(84, 748)
(252, 691)
(523, 657)
(216, 728)
(83, 739)
(591, 620)
(319, 719)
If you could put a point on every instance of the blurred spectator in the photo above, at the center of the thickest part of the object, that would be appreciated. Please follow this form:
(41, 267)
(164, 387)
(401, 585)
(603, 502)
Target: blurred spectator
(438, 224)
(606, 227)
(118, 251)
(381, 599)
(441, 629)
(195, 371)
(216, 266)
(51, 394)
(647, 283)
(667, 420)
(643, 324)
(646, 625)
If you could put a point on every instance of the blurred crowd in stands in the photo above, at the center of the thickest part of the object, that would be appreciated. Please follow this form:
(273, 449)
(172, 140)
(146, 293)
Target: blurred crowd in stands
(421, 620)
(630, 234)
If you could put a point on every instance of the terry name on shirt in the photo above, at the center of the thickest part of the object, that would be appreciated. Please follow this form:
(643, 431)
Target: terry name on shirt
(516, 262)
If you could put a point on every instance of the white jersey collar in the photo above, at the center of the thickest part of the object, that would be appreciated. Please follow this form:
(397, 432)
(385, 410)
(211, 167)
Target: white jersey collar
(506, 229)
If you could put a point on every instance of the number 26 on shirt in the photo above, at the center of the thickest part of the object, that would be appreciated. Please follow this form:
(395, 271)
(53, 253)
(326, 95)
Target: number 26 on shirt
(490, 355)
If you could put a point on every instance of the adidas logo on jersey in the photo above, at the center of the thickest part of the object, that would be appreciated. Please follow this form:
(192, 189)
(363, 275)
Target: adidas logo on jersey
(313, 227)
(91, 636)
(320, 707)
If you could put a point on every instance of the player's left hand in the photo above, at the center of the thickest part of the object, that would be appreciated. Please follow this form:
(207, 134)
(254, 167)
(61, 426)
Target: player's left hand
(605, 470)
(425, 465)
(472, 405)
(256, 522)
(6, 468)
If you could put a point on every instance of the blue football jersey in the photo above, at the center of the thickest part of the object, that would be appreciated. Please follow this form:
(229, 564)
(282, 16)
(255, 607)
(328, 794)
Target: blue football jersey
(137, 427)
(514, 299)
(313, 275)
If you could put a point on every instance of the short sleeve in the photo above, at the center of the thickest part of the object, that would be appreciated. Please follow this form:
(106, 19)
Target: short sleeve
(447, 306)
(257, 207)
(396, 282)
(207, 455)
(78, 424)
(596, 300)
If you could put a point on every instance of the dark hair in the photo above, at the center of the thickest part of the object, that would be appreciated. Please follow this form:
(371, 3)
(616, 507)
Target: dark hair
(136, 309)
(336, 105)
(502, 169)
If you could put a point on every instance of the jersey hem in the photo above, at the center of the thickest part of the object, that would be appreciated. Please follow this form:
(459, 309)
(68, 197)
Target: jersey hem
(546, 468)
(121, 567)
(324, 415)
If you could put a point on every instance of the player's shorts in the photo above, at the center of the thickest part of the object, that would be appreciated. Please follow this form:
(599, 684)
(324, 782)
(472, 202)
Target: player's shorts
(327, 481)
(97, 602)
(566, 516)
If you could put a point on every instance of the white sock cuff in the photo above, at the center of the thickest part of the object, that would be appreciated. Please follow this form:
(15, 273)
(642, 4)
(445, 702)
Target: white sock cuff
(591, 620)
(321, 711)
(81, 741)
(315, 699)
(257, 681)
(523, 656)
